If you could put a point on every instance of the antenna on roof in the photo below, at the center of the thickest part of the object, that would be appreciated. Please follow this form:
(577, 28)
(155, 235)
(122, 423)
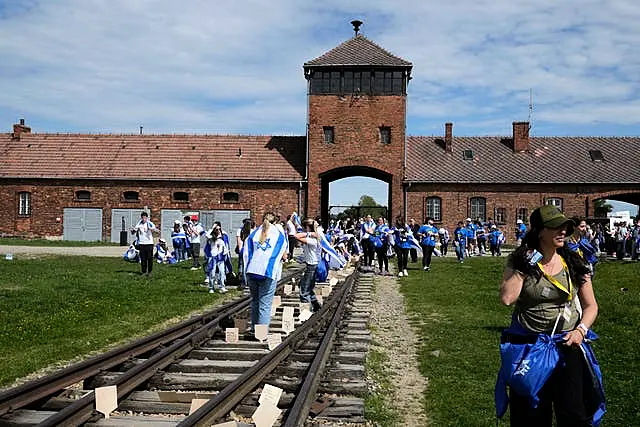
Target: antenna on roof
(356, 25)
(530, 107)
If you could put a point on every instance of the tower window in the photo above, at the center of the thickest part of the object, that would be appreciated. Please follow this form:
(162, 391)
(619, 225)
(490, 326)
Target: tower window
(328, 135)
(385, 135)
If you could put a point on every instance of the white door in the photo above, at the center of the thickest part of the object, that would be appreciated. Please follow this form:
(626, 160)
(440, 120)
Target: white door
(82, 224)
(126, 217)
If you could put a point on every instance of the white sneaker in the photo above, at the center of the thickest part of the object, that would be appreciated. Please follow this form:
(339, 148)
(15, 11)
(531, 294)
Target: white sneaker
(206, 280)
(400, 274)
(223, 290)
(425, 268)
(405, 273)
(211, 291)
(194, 269)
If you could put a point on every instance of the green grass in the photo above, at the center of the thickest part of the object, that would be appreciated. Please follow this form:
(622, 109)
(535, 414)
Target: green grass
(378, 408)
(456, 309)
(58, 308)
(16, 241)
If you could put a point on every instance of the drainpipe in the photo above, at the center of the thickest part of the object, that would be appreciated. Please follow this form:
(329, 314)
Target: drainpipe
(405, 194)
(299, 198)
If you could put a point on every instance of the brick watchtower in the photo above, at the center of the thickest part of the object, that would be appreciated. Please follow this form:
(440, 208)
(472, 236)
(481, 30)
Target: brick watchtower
(356, 119)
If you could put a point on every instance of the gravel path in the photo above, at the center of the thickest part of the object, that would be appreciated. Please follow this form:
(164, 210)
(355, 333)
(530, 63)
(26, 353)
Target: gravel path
(394, 336)
(31, 251)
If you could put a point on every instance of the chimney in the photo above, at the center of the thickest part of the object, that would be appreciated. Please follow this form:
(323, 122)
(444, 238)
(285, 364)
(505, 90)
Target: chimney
(19, 129)
(448, 137)
(520, 137)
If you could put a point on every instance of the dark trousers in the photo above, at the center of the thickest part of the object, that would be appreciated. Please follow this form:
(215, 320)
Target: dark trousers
(403, 257)
(427, 251)
(292, 245)
(620, 249)
(307, 284)
(146, 258)
(368, 251)
(195, 253)
(383, 260)
(414, 254)
(496, 249)
(444, 247)
(562, 393)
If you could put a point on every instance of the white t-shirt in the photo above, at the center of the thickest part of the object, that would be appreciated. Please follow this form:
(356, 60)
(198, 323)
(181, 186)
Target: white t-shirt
(310, 251)
(145, 237)
(197, 229)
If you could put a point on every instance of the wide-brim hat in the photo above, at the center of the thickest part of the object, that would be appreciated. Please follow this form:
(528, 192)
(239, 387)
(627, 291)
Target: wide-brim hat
(549, 216)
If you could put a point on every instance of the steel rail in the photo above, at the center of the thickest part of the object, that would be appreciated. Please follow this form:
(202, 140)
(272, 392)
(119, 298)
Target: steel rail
(18, 397)
(226, 399)
(299, 411)
(83, 409)
(41, 388)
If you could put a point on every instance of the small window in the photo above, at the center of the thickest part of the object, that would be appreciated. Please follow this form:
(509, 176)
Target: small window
(554, 201)
(180, 196)
(230, 197)
(501, 216)
(522, 214)
(131, 196)
(385, 135)
(596, 155)
(467, 154)
(478, 208)
(434, 208)
(83, 195)
(328, 135)
(24, 207)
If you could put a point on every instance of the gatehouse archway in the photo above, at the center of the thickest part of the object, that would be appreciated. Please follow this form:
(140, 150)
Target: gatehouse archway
(385, 179)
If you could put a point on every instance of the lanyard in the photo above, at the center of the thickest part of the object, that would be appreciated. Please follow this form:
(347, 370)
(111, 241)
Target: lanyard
(555, 282)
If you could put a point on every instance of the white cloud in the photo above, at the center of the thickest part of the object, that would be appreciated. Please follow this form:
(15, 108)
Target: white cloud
(202, 66)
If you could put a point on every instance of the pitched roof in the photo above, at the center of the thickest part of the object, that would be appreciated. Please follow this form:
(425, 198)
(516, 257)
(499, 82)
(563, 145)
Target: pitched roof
(358, 51)
(152, 157)
(549, 160)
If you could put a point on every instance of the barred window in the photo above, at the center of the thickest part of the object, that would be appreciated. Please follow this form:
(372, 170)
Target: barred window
(180, 196)
(501, 215)
(434, 208)
(131, 196)
(83, 195)
(24, 207)
(328, 135)
(385, 134)
(522, 214)
(230, 197)
(554, 201)
(478, 208)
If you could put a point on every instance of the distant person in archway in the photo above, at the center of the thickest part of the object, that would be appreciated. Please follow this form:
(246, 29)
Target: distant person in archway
(367, 230)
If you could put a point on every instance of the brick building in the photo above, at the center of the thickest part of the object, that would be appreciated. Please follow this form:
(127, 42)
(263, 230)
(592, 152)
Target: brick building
(90, 187)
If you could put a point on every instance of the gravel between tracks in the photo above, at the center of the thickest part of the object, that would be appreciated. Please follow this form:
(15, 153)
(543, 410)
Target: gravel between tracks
(394, 336)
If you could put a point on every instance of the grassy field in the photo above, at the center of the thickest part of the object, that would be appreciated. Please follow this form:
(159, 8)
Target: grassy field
(58, 308)
(456, 310)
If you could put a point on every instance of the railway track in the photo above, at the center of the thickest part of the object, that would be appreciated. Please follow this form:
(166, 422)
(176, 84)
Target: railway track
(319, 367)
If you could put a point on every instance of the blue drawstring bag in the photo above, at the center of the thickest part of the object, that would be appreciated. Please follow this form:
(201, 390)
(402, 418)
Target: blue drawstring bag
(322, 271)
(377, 242)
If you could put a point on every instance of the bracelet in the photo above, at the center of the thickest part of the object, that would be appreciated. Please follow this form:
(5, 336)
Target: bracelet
(581, 332)
(583, 328)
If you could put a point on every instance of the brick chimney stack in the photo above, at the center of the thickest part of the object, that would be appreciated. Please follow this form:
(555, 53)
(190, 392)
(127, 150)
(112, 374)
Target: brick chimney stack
(19, 129)
(448, 137)
(520, 137)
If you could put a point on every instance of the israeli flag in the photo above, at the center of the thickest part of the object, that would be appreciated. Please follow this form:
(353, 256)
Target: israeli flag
(414, 243)
(296, 220)
(329, 250)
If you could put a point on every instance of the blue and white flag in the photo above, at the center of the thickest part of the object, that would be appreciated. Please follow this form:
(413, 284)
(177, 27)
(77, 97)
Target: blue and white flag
(296, 220)
(414, 243)
(329, 250)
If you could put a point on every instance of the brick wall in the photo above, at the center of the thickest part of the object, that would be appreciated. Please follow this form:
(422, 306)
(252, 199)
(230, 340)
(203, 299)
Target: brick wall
(50, 197)
(577, 200)
(356, 121)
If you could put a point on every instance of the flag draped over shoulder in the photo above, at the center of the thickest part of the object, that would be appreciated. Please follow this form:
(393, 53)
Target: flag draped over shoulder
(329, 250)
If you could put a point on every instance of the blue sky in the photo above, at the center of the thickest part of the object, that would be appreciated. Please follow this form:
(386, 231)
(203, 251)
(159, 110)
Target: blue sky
(198, 66)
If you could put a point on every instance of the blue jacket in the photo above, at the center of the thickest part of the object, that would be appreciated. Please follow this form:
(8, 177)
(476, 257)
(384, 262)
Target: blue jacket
(511, 370)
(460, 235)
(521, 231)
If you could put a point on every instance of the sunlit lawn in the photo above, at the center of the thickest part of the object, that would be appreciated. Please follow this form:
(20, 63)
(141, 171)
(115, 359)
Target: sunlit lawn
(58, 308)
(457, 312)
